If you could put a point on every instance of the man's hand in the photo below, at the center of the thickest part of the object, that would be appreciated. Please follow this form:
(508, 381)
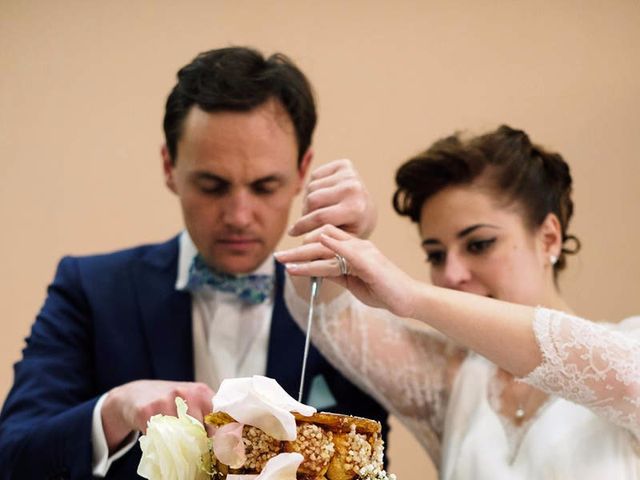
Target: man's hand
(128, 407)
(336, 196)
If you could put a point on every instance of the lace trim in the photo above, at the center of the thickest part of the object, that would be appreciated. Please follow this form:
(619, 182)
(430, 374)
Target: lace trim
(590, 364)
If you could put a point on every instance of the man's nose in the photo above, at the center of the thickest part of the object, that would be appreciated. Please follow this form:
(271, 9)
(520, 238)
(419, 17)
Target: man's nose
(239, 209)
(455, 273)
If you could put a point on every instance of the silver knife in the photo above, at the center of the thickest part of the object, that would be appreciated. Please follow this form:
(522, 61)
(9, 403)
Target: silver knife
(315, 288)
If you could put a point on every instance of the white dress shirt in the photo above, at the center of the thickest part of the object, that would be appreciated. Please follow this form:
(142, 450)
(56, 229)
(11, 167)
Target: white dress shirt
(230, 339)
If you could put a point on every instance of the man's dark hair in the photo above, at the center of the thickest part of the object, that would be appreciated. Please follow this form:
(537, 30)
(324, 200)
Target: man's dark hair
(240, 79)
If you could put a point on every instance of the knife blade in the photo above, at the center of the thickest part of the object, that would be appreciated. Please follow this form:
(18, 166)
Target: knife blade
(315, 288)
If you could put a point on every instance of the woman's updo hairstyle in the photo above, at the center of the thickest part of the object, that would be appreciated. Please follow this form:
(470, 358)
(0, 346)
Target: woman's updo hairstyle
(534, 179)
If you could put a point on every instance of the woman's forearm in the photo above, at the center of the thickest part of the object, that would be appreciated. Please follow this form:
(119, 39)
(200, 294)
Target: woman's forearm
(499, 331)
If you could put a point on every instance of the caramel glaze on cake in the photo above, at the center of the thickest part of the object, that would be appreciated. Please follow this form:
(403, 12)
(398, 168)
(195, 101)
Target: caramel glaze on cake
(334, 447)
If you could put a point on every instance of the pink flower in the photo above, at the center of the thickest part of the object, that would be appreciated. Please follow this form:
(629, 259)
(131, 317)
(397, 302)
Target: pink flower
(228, 446)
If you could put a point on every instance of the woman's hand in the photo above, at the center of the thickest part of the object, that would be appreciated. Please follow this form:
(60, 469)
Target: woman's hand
(371, 276)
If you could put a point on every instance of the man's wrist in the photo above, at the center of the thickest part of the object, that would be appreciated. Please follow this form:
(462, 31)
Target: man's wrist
(116, 430)
(102, 457)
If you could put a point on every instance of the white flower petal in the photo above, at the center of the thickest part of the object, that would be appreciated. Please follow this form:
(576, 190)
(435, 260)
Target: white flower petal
(281, 467)
(261, 402)
(273, 393)
(181, 406)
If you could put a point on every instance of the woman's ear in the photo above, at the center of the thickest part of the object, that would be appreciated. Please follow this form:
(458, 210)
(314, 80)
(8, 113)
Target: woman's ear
(550, 238)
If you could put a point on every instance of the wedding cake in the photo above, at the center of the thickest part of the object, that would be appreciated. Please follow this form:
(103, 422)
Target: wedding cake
(257, 431)
(333, 446)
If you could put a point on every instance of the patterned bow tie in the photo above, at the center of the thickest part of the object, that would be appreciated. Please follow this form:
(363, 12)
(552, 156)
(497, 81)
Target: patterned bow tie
(252, 289)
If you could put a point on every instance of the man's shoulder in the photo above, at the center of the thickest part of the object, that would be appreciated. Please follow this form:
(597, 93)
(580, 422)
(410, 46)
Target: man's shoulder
(159, 254)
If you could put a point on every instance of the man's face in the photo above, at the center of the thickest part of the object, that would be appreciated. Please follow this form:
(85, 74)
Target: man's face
(236, 174)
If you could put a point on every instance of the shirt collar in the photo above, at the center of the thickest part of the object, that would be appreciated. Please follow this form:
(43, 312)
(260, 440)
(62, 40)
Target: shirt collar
(188, 250)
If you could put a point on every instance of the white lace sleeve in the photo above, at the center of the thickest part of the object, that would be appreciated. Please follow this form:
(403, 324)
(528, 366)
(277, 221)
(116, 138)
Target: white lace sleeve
(402, 366)
(595, 365)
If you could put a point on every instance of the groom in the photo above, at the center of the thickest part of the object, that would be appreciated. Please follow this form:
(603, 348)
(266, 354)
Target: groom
(121, 334)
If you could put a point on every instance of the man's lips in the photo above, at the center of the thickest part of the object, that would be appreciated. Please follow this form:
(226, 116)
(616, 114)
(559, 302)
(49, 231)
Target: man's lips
(238, 242)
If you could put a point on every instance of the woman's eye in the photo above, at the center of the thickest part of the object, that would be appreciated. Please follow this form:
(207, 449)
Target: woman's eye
(480, 246)
(435, 258)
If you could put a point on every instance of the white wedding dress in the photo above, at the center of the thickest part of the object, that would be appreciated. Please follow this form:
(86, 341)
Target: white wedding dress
(588, 428)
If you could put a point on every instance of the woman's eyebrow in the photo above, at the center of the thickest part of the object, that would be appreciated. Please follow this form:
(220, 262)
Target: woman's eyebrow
(466, 231)
(461, 234)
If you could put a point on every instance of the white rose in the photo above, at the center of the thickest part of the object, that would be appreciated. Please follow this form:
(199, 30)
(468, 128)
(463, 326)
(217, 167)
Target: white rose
(173, 448)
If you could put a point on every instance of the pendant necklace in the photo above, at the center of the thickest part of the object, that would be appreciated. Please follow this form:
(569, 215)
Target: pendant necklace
(522, 401)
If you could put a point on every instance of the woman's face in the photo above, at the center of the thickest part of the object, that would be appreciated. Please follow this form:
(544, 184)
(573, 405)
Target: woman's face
(476, 245)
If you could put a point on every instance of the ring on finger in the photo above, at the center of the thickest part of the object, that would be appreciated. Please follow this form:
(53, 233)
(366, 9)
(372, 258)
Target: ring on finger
(342, 264)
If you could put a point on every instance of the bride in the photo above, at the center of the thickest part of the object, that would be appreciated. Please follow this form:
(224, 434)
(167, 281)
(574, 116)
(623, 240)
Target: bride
(497, 379)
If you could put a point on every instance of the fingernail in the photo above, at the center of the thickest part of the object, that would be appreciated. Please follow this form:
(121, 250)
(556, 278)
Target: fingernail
(291, 266)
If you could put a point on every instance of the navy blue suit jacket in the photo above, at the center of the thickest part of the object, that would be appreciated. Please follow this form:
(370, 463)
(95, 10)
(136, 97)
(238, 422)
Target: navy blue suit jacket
(111, 319)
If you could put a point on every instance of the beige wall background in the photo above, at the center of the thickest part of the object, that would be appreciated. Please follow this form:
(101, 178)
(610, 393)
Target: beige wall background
(83, 85)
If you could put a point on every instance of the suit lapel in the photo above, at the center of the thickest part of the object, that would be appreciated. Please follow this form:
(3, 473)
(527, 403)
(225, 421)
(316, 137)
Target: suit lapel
(165, 312)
